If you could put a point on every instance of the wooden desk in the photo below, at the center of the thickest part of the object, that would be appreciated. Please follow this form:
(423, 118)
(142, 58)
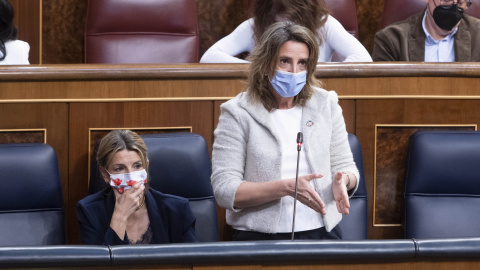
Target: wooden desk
(71, 105)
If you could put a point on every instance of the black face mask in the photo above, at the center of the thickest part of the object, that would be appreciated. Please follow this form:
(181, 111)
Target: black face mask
(446, 17)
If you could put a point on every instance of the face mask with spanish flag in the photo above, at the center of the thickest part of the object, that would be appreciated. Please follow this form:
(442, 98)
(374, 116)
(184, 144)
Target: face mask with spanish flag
(124, 181)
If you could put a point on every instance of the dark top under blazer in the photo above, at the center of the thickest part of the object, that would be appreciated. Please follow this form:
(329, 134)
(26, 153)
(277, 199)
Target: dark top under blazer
(171, 219)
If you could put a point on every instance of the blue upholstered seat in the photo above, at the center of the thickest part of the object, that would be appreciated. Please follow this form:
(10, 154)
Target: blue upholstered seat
(180, 165)
(442, 185)
(355, 225)
(31, 200)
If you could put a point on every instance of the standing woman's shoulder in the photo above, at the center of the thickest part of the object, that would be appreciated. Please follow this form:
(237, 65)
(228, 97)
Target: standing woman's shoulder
(322, 96)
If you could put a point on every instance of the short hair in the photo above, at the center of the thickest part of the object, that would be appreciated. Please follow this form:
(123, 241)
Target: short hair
(8, 31)
(308, 13)
(264, 60)
(119, 140)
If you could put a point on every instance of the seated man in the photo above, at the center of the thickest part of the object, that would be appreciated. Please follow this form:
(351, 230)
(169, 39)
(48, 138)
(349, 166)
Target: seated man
(442, 33)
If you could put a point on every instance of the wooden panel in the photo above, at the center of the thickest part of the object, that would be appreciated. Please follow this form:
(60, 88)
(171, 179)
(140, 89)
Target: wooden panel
(63, 31)
(220, 82)
(27, 20)
(348, 107)
(369, 13)
(401, 112)
(83, 116)
(81, 90)
(23, 136)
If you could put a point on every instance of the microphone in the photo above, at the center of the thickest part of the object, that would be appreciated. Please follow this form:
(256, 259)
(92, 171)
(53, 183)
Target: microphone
(299, 148)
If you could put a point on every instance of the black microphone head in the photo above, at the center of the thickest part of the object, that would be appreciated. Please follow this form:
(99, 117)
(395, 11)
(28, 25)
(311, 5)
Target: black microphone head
(299, 141)
(300, 137)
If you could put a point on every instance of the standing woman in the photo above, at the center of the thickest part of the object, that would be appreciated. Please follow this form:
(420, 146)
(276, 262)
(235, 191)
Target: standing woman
(128, 212)
(12, 51)
(254, 153)
(312, 14)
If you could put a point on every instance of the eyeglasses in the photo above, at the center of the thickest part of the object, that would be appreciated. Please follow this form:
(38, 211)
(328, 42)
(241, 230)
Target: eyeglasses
(466, 3)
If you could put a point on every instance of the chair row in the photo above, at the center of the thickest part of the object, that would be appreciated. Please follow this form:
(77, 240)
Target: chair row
(441, 189)
(242, 253)
(441, 183)
(167, 31)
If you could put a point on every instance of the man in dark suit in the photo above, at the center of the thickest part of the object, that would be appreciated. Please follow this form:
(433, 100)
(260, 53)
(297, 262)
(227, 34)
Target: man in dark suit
(442, 33)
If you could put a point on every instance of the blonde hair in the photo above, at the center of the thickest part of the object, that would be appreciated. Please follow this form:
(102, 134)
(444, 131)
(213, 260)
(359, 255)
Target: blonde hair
(119, 140)
(264, 60)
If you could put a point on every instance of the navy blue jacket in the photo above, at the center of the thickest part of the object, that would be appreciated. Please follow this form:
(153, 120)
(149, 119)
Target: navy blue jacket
(171, 219)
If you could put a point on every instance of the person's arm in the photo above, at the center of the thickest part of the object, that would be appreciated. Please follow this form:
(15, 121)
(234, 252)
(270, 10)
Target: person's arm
(88, 233)
(343, 166)
(383, 49)
(239, 41)
(252, 193)
(343, 43)
(95, 234)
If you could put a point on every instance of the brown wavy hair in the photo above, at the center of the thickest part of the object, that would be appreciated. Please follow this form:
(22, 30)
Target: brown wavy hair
(264, 59)
(311, 14)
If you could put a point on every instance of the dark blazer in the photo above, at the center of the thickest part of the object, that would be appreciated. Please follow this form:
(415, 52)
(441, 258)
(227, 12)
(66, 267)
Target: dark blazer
(405, 41)
(171, 218)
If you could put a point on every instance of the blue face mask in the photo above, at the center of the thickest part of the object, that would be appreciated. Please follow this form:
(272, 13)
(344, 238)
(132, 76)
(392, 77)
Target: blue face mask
(289, 84)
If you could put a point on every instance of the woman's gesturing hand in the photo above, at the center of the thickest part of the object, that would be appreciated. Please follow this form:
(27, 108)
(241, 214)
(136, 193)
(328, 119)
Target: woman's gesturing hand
(307, 195)
(340, 193)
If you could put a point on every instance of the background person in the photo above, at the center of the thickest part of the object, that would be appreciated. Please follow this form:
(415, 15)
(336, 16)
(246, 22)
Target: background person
(254, 153)
(312, 14)
(442, 33)
(128, 212)
(12, 51)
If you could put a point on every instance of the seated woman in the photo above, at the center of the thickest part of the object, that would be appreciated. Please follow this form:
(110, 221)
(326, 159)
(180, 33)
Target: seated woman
(12, 51)
(255, 152)
(313, 14)
(129, 212)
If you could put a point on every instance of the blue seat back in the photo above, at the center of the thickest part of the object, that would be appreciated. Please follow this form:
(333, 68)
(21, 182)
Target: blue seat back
(442, 187)
(31, 203)
(355, 225)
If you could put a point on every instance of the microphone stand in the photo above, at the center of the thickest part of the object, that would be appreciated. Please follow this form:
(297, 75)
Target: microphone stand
(299, 147)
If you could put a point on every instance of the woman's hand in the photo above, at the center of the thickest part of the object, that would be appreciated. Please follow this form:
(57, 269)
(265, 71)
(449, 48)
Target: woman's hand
(340, 193)
(307, 195)
(126, 204)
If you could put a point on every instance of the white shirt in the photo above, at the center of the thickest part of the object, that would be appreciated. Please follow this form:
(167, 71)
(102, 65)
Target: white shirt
(288, 123)
(335, 39)
(17, 53)
(439, 50)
